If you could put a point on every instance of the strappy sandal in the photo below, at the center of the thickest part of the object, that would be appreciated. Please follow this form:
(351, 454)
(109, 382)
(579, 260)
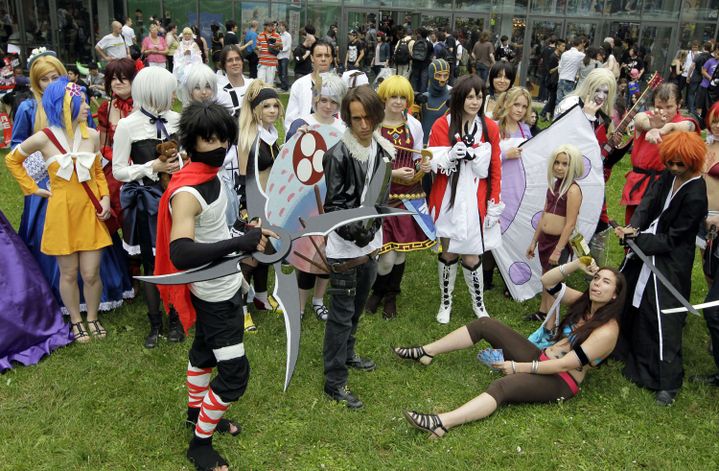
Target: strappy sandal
(430, 423)
(536, 316)
(417, 354)
(224, 426)
(96, 329)
(205, 458)
(79, 334)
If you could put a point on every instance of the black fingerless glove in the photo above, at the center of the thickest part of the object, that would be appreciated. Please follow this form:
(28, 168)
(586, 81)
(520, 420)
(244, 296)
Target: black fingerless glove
(185, 253)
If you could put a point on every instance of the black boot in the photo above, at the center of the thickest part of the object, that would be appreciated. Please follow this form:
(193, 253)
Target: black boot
(394, 284)
(175, 332)
(487, 277)
(155, 330)
(378, 292)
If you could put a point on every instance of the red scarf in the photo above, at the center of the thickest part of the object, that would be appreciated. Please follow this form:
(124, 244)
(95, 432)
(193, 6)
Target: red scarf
(177, 296)
(125, 106)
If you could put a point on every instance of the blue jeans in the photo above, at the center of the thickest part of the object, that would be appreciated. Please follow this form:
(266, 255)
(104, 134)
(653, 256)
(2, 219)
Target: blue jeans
(282, 72)
(348, 294)
(482, 71)
(564, 88)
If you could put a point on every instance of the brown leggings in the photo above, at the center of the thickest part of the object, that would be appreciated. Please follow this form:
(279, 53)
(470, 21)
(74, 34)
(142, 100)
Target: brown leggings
(521, 387)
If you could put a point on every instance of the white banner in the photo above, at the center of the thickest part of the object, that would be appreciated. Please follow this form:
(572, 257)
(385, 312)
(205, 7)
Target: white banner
(524, 188)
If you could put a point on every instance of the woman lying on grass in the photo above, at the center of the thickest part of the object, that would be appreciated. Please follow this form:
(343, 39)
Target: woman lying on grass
(585, 337)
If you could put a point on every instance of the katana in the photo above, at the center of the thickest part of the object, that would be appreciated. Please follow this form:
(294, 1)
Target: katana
(658, 274)
(285, 290)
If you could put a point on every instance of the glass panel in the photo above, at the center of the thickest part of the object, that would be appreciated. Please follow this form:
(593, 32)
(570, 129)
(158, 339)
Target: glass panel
(259, 11)
(700, 9)
(655, 45)
(73, 31)
(661, 9)
(548, 6)
(513, 6)
(435, 21)
(212, 11)
(624, 34)
(469, 23)
(179, 12)
(322, 16)
(540, 33)
(474, 5)
(626, 8)
(574, 29)
(700, 32)
(290, 14)
(141, 18)
(404, 18)
(585, 7)
(37, 29)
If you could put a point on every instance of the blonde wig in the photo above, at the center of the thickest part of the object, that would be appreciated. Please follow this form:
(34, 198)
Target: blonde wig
(41, 67)
(250, 119)
(504, 106)
(396, 85)
(597, 78)
(575, 167)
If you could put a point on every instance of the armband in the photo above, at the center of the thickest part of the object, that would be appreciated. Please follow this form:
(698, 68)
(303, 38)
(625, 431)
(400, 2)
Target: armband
(554, 289)
(580, 353)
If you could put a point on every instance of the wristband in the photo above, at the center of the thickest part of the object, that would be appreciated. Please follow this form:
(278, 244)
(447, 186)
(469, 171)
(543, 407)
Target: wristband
(514, 367)
(561, 270)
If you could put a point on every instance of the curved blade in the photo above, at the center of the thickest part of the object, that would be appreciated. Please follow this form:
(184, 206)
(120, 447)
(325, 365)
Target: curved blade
(256, 198)
(323, 224)
(287, 295)
(210, 271)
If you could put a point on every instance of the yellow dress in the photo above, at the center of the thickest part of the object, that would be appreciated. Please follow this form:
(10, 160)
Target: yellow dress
(71, 223)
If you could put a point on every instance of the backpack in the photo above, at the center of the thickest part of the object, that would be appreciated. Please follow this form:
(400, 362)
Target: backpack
(420, 51)
(441, 51)
(401, 54)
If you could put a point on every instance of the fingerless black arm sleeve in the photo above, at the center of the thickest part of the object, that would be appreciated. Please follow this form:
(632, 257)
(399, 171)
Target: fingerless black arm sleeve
(185, 253)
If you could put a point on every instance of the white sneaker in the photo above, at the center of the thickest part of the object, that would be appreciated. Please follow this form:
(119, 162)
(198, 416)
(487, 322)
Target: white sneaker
(443, 314)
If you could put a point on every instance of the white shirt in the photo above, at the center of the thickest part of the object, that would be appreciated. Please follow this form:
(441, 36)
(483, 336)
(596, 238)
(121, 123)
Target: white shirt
(569, 64)
(224, 94)
(688, 63)
(286, 46)
(129, 34)
(337, 247)
(300, 101)
(114, 46)
(136, 127)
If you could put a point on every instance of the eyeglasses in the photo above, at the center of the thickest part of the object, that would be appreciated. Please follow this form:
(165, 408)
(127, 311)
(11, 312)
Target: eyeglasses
(676, 164)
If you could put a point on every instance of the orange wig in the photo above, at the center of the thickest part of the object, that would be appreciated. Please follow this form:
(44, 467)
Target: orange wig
(712, 116)
(684, 146)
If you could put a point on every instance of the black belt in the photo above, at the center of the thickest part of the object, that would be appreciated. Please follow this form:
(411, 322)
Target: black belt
(341, 267)
(647, 173)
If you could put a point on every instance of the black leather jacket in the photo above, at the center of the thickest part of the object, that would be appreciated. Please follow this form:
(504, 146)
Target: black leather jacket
(345, 177)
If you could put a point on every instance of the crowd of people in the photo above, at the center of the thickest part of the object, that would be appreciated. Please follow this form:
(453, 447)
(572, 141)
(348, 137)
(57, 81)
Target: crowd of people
(143, 189)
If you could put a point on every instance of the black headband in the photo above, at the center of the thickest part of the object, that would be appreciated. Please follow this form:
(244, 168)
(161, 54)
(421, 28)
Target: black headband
(265, 94)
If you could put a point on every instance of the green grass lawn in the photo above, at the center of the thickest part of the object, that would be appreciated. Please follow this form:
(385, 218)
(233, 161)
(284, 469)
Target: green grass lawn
(114, 405)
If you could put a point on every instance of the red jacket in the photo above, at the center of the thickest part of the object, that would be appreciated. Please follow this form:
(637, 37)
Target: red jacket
(439, 136)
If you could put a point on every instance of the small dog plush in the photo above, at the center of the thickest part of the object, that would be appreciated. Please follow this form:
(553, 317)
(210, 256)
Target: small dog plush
(169, 151)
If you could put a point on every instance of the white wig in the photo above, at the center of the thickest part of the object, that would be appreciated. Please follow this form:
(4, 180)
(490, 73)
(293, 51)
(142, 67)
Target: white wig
(331, 86)
(197, 76)
(595, 79)
(154, 89)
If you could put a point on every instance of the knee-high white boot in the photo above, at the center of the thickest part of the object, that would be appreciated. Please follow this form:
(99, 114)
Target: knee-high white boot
(447, 276)
(475, 284)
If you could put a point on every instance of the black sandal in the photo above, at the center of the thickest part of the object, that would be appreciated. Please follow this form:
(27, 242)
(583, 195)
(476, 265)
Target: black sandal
(81, 336)
(205, 458)
(536, 316)
(413, 353)
(223, 426)
(96, 329)
(426, 422)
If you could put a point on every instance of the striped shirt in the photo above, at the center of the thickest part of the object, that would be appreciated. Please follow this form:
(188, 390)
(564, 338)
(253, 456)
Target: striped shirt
(263, 52)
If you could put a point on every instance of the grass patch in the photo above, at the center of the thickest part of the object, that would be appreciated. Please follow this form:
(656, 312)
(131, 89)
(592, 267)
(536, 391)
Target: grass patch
(113, 405)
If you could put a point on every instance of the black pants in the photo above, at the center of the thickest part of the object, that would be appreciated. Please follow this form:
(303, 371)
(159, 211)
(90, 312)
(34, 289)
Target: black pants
(253, 60)
(348, 294)
(219, 332)
(711, 316)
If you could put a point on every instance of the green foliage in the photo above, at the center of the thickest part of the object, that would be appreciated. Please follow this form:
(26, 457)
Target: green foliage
(113, 405)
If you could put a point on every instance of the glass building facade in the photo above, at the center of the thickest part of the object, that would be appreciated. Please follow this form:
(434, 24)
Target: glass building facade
(660, 27)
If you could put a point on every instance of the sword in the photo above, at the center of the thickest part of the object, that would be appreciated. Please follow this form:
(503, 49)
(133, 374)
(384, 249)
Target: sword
(659, 275)
(675, 310)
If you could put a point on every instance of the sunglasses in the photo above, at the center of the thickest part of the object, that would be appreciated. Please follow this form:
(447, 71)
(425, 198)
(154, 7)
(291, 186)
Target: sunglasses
(676, 164)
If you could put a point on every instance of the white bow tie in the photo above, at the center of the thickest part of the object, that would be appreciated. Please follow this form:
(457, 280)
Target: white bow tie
(83, 163)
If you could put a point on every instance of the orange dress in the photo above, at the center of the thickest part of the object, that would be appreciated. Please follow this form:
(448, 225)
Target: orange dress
(71, 223)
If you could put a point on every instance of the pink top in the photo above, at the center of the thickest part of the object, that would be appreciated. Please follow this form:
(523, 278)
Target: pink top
(149, 45)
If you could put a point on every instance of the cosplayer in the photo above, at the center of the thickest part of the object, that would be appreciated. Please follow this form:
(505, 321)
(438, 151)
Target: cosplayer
(329, 90)
(78, 202)
(501, 78)
(511, 112)
(651, 127)
(191, 231)
(559, 218)
(351, 249)
(584, 339)
(465, 201)
(116, 284)
(663, 226)
(31, 318)
(434, 103)
(188, 52)
(400, 234)
(596, 95)
(257, 146)
(136, 164)
(200, 85)
(711, 255)
(322, 55)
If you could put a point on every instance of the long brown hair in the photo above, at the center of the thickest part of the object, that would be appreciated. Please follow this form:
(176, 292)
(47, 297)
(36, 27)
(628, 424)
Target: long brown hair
(580, 309)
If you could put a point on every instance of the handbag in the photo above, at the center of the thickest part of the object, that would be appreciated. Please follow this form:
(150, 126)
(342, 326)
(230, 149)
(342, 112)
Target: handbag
(543, 337)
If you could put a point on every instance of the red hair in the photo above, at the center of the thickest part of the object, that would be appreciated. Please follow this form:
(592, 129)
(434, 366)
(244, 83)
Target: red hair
(712, 115)
(685, 146)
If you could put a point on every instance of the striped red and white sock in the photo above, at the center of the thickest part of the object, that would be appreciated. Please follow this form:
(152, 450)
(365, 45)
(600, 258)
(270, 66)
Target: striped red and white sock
(213, 408)
(198, 383)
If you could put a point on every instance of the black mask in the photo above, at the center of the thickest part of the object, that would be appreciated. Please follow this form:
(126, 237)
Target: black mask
(213, 158)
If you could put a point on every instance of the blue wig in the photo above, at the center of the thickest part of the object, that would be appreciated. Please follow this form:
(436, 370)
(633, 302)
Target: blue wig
(52, 101)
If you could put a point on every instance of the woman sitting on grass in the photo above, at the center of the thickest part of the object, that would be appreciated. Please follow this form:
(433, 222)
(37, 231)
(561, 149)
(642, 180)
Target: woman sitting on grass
(584, 338)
